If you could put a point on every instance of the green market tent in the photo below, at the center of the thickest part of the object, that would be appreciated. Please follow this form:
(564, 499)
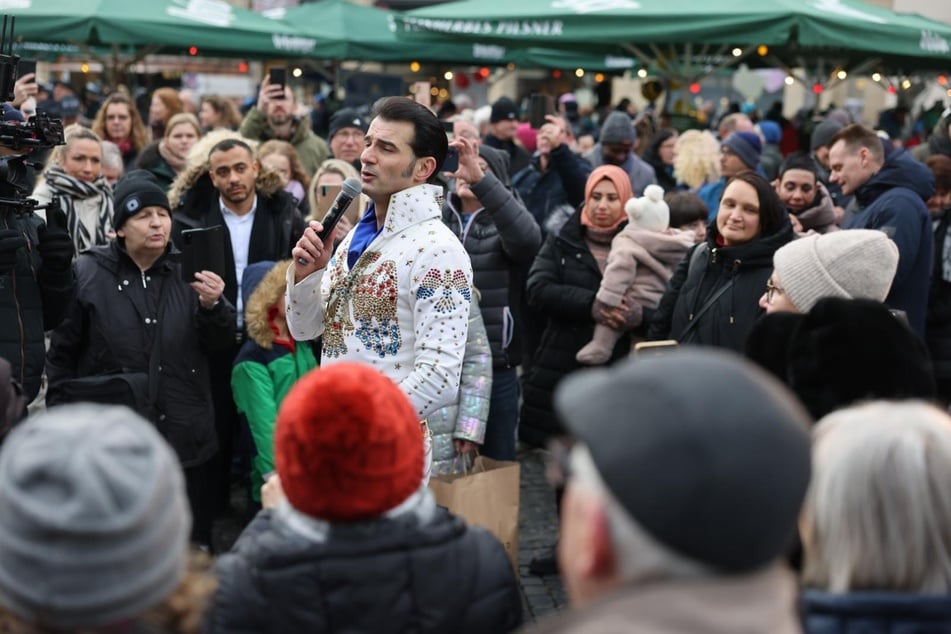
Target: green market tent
(359, 32)
(796, 30)
(172, 26)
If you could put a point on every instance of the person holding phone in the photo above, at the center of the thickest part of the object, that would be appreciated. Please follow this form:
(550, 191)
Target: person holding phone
(274, 117)
(129, 292)
(225, 185)
(324, 187)
(501, 237)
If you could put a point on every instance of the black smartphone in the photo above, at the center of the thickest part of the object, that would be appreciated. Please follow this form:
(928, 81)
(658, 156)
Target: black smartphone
(25, 67)
(538, 108)
(203, 250)
(451, 164)
(325, 198)
(279, 76)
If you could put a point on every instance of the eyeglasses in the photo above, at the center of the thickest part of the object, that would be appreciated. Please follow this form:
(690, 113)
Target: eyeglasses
(558, 461)
(771, 289)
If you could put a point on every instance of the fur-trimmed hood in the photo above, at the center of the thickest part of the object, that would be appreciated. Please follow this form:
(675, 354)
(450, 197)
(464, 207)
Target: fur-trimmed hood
(265, 295)
(194, 182)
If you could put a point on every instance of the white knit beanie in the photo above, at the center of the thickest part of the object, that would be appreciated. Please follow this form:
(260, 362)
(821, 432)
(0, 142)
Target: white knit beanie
(649, 212)
(851, 264)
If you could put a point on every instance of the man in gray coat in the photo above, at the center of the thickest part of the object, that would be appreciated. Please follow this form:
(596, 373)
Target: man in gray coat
(615, 147)
(680, 505)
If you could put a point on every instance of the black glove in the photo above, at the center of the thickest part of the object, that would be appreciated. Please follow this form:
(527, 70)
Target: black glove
(11, 240)
(56, 247)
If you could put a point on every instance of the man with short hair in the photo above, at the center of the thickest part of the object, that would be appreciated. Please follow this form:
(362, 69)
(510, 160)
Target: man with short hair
(273, 117)
(891, 193)
(503, 124)
(261, 222)
(698, 545)
(615, 146)
(347, 129)
(734, 122)
(740, 152)
(396, 292)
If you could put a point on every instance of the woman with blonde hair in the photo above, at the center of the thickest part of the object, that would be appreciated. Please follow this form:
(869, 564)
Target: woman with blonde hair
(74, 175)
(327, 180)
(119, 121)
(697, 159)
(165, 159)
(281, 157)
(876, 525)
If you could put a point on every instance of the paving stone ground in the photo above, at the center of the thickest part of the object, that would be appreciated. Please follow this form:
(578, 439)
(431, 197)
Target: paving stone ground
(538, 531)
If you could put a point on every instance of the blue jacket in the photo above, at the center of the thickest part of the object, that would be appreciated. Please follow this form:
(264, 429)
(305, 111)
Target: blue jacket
(893, 201)
(710, 195)
(875, 613)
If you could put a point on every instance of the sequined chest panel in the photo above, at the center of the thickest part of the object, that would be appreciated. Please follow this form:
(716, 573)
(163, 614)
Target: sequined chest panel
(363, 304)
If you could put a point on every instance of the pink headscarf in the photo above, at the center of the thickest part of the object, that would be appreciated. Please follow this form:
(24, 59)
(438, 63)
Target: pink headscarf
(622, 183)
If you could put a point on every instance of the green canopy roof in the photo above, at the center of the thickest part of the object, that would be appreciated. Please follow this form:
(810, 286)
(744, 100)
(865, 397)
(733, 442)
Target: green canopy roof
(800, 27)
(213, 26)
(360, 32)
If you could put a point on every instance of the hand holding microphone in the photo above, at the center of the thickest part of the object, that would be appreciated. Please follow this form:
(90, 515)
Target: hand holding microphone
(309, 252)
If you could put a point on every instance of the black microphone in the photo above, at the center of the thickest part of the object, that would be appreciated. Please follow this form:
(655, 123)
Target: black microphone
(349, 190)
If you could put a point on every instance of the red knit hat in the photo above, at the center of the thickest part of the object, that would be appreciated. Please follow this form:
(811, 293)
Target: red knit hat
(348, 444)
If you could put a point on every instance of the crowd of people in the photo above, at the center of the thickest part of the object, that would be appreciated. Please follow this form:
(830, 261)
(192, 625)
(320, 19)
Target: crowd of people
(736, 351)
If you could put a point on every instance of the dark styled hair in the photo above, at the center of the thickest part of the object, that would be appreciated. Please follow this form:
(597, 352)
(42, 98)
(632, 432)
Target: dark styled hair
(857, 136)
(686, 207)
(229, 144)
(429, 139)
(940, 166)
(798, 161)
(772, 213)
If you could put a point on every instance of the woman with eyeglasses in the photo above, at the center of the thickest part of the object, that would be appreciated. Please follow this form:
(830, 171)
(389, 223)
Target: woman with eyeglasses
(854, 264)
(712, 297)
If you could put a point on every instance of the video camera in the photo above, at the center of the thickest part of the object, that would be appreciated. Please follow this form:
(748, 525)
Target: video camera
(39, 132)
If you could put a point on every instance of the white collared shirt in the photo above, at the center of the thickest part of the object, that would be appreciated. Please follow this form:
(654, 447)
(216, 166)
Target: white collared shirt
(239, 228)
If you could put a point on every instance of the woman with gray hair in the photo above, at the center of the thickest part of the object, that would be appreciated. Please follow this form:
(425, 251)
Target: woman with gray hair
(876, 524)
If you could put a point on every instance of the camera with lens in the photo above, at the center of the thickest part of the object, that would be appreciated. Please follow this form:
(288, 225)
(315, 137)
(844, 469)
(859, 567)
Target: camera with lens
(18, 137)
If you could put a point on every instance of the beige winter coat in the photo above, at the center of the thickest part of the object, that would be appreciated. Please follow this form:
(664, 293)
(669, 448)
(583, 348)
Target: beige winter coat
(640, 264)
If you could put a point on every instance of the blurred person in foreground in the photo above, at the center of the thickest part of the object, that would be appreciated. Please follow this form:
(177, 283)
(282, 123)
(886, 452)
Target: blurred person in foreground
(676, 518)
(876, 525)
(94, 528)
(356, 542)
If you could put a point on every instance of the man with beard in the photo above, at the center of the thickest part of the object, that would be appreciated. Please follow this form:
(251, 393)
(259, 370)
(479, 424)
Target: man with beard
(262, 223)
(273, 118)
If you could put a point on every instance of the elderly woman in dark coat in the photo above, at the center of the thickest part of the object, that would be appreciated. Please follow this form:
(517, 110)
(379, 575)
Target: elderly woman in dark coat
(129, 292)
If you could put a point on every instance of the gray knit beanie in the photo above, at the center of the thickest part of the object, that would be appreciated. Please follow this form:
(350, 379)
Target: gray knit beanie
(747, 146)
(94, 521)
(617, 128)
(852, 264)
(823, 133)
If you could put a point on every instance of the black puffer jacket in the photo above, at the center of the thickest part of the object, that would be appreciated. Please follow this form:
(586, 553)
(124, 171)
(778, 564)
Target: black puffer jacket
(109, 327)
(33, 298)
(875, 613)
(561, 285)
(397, 575)
(500, 239)
(728, 320)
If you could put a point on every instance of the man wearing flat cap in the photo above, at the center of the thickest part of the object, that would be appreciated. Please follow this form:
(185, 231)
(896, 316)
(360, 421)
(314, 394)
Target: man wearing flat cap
(679, 505)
